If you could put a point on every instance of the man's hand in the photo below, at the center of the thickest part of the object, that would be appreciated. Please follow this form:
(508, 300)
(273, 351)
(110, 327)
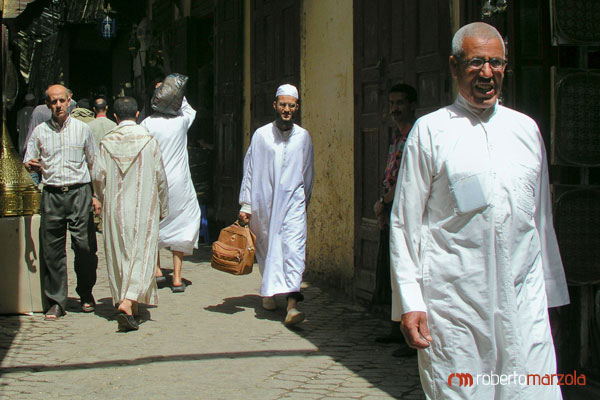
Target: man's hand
(32, 165)
(414, 328)
(244, 217)
(378, 208)
(97, 206)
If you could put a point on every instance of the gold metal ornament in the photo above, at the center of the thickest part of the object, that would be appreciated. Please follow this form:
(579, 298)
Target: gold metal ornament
(18, 193)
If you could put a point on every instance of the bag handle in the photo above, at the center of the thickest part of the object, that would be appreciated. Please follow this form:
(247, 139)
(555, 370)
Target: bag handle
(246, 232)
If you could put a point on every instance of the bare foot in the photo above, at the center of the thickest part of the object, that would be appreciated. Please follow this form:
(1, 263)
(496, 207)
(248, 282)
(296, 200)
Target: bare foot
(126, 306)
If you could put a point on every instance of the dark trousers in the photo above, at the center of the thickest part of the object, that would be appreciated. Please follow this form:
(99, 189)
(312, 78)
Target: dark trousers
(382, 295)
(70, 210)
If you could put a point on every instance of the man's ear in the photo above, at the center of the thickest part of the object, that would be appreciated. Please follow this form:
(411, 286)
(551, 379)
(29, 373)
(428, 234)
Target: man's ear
(275, 105)
(137, 114)
(453, 66)
(116, 118)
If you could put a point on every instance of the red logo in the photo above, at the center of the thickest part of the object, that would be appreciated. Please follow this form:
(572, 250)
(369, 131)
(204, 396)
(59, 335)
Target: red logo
(464, 379)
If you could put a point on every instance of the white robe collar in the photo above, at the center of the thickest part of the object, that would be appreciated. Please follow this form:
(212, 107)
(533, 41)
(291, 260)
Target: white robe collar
(483, 114)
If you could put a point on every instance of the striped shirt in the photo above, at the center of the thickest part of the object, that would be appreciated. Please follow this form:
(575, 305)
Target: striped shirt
(64, 153)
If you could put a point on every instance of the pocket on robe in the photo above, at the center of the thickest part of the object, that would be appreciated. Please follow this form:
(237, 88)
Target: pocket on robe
(472, 193)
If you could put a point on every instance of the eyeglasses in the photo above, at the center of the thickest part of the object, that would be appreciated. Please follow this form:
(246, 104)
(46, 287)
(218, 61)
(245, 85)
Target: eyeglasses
(477, 63)
(292, 106)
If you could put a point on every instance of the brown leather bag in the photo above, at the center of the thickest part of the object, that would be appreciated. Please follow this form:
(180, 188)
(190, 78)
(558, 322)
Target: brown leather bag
(234, 251)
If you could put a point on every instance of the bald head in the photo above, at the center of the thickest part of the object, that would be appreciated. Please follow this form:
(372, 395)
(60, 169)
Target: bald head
(479, 30)
(56, 89)
(57, 100)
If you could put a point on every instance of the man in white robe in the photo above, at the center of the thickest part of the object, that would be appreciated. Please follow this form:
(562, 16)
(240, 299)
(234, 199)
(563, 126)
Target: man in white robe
(275, 191)
(180, 230)
(474, 258)
(131, 183)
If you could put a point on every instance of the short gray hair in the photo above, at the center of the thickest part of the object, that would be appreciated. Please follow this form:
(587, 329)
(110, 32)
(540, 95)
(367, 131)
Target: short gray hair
(478, 30)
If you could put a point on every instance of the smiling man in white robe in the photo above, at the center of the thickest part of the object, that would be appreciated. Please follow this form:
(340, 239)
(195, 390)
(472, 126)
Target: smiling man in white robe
(276, 189)
(132, 185)
(474, 258)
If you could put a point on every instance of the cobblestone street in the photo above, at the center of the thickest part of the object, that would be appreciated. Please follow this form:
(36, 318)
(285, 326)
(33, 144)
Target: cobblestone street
(212, 342)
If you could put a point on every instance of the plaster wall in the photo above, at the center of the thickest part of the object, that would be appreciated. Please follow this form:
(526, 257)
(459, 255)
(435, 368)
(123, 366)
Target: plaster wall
(327, 107)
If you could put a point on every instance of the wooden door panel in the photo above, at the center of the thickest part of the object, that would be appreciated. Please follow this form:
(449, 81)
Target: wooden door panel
(275, 54)
(395, 41)
(228, 108)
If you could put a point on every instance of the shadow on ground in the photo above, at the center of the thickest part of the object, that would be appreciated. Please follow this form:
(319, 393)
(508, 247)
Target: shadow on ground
(343, 331)
(9, 327)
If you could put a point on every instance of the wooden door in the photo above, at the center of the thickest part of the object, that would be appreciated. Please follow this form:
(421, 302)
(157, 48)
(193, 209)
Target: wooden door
(395, 41)
(275, 54)
(228, 108)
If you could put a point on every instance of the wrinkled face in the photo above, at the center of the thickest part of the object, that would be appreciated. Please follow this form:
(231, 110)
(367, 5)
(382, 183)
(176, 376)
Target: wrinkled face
(479, 86)
(58, 102)
(401, 109)
(286, 107)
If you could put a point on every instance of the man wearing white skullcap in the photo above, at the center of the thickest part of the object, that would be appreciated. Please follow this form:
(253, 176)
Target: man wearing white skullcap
(287, 90)
(276, 188)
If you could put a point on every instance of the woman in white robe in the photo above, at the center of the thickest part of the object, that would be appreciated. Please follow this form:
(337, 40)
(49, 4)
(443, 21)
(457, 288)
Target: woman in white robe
(179, 231)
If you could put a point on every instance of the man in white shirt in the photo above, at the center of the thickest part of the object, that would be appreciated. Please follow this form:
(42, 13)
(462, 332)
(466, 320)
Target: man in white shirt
(276, 189)
(475, 262)
(64, 150)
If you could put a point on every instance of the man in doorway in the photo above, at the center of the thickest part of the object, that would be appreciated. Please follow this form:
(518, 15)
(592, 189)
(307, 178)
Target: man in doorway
(101, 125)
(64, 150)
(274, 196)
(402, 102)
(132, 186)
(475, 262)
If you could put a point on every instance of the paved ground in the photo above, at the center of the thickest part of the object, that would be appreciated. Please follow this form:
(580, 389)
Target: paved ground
(212, 342)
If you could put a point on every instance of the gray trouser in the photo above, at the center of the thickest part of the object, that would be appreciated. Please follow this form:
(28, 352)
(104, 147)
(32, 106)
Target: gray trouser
(70, 210)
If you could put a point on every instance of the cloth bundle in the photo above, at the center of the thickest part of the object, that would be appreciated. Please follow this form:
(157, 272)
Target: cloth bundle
(168, 97)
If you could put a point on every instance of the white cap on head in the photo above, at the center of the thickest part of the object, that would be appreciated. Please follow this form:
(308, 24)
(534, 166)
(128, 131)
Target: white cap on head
(287, 90)
(29, 97)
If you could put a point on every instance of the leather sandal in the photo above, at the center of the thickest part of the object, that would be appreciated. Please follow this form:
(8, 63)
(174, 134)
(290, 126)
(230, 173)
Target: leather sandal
(127, 322)
(88, 306)
(54, 313)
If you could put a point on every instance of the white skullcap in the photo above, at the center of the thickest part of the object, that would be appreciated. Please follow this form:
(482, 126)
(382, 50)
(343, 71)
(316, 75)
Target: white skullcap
(287, 90)
(29, 97)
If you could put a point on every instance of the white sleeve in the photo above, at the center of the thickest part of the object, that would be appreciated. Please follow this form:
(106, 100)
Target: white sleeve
(554, 274)
(188, 112)
(32, 151)
(246, 187)
(412, 192)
